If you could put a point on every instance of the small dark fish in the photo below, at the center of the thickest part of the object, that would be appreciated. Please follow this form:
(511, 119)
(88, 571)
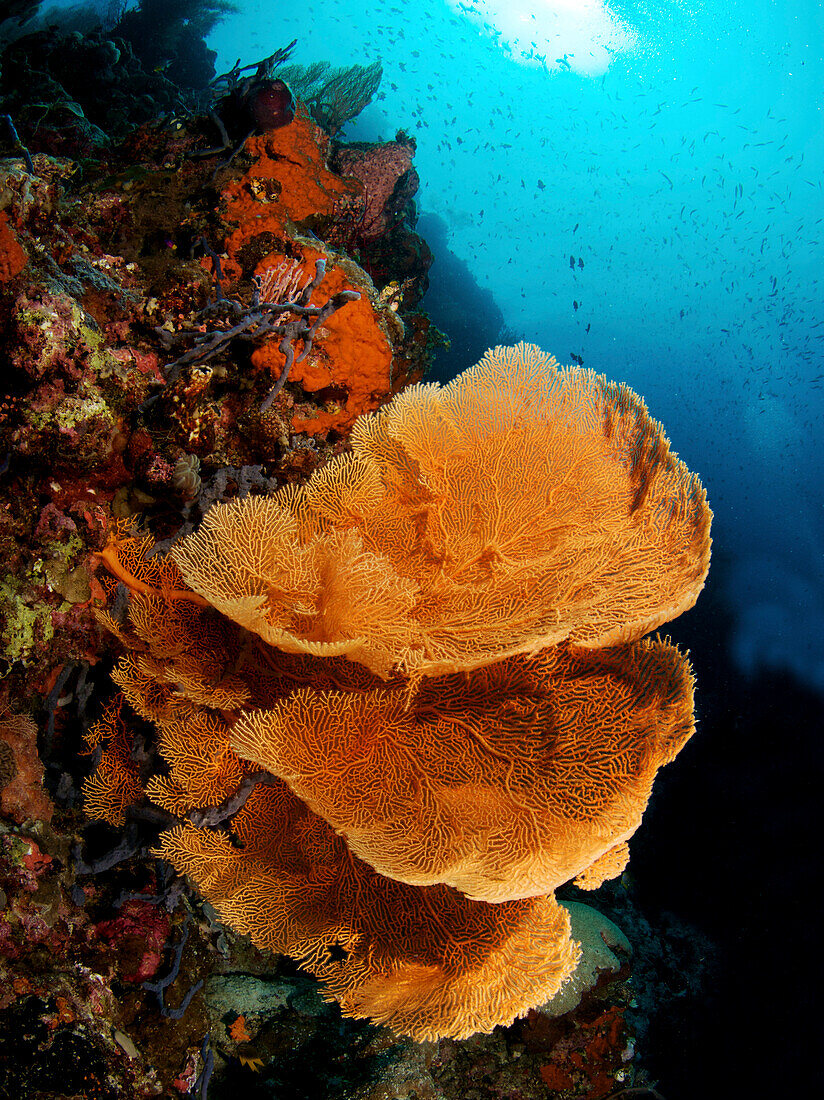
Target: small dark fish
(541, 184)
(580, 262)
(572, 262)
(575, 306)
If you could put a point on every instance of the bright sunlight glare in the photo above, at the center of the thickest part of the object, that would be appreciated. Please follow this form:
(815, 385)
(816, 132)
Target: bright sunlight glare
(579, 36)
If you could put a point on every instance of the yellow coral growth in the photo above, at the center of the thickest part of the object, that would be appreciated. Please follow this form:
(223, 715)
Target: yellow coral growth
(520, 506)
(504, 783)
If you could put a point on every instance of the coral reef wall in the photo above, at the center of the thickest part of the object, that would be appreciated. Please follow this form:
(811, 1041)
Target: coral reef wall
(159, 279)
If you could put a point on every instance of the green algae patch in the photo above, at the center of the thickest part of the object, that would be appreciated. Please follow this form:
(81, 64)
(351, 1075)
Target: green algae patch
(26, 626)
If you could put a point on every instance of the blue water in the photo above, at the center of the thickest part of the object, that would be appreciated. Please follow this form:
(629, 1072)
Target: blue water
(678, 150)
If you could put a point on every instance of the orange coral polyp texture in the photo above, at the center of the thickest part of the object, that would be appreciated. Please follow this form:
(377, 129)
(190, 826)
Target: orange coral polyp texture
(435, 650)
(425, 962)
(503, 783)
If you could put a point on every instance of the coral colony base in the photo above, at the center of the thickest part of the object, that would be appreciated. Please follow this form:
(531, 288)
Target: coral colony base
(401, 704)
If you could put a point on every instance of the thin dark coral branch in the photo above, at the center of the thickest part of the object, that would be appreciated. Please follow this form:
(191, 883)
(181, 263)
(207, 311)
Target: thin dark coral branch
(258, 320)
(211, 817)
(162, 984)
(635, 1093)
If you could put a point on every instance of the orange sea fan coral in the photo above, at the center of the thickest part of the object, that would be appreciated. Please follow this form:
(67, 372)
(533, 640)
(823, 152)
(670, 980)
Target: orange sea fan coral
(427, 962)
(435, 650)
(201, 760)
(609, 865)
(116, 783)
(519, 506)
(181, 648)
(504, 783)
(125, 556)
(323, 597)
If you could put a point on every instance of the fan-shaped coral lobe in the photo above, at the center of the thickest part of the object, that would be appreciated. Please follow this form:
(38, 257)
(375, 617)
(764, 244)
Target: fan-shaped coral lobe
(427, 963)
(417, 689)
(520, 506)
(504, 783)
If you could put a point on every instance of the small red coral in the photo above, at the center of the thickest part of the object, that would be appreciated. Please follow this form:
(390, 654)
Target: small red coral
(556, 1077)
(139, 933)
